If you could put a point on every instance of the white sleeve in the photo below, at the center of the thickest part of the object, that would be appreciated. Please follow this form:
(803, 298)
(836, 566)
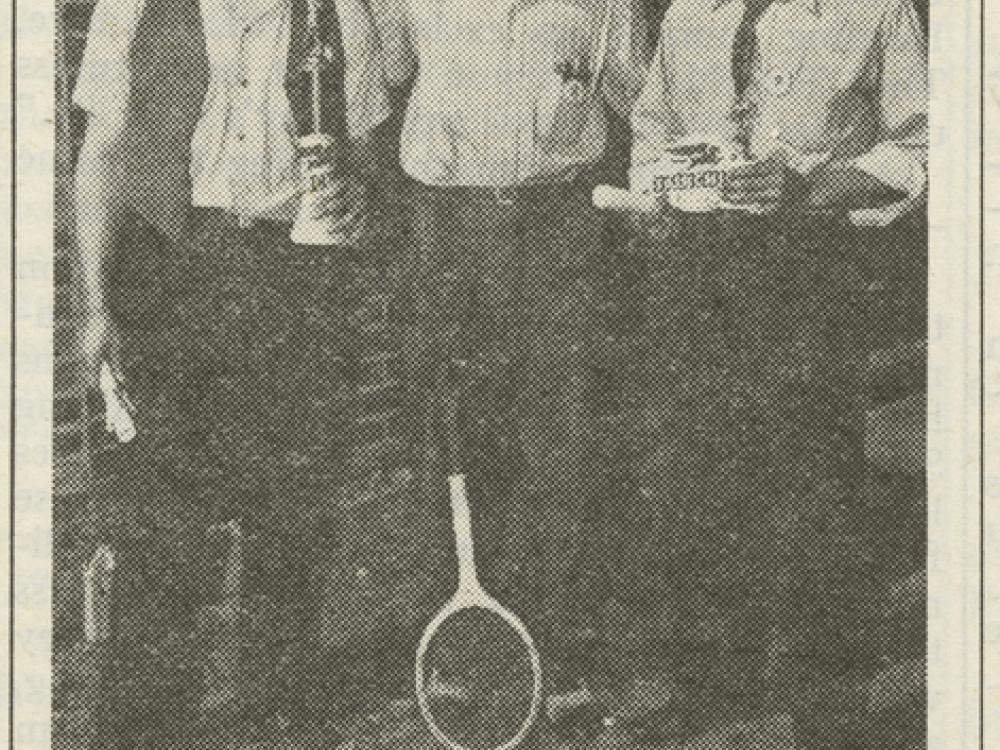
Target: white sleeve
(655, 124)
(900, 159)
(102, 86)
(390, 19)
(366, 86)
(628, 56)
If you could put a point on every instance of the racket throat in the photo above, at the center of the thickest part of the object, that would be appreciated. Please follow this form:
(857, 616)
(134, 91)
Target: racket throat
(468, 580)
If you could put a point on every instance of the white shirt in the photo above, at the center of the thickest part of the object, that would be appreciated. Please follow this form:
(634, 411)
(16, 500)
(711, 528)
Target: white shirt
(244, 156)
(833, 76)
(490, 106)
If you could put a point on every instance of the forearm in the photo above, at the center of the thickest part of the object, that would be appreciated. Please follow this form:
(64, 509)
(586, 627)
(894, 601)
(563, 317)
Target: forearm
(99, 211)
(841, 185)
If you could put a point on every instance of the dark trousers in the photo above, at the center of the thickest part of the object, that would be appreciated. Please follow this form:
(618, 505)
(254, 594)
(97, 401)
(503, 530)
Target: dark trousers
(508, 289)
(236, 349)
(757, 333)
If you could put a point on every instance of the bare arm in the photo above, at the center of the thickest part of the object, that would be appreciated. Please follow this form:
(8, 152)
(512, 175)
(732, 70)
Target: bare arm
(100, 211)
(841, 185)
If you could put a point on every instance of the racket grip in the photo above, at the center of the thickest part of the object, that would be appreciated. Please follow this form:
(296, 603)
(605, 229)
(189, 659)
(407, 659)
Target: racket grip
(610, 198)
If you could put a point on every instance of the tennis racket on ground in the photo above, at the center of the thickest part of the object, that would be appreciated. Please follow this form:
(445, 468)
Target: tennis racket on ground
(478, 672)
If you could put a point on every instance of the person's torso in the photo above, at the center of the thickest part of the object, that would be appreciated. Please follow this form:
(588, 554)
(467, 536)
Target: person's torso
(243, 152)
(814, 84)
(504, 92)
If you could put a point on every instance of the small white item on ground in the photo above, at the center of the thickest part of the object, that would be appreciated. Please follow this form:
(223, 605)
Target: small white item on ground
(97, 580)
(561, 705)
(438, 689)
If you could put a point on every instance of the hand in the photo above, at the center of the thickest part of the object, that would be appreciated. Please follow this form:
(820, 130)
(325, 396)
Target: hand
(345, 201)
(101, 342)
(842, 186)
(765, 185)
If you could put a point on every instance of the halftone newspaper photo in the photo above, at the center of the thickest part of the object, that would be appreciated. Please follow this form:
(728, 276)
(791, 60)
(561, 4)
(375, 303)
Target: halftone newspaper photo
(479, 375)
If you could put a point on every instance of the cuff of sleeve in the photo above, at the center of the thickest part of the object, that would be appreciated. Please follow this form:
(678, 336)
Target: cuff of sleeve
(899, 168)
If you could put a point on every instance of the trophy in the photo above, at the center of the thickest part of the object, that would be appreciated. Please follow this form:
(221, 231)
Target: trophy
(689, 175)
(743, 114)
(322, 154)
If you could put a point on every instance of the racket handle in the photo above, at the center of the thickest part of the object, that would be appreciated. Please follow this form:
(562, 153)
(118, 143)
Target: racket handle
(462, 523)
(610, 198)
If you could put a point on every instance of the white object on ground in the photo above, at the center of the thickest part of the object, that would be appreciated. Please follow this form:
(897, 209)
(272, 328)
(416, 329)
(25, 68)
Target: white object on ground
(559, 705)
(471, 595)
(438, 688)
(97, 580)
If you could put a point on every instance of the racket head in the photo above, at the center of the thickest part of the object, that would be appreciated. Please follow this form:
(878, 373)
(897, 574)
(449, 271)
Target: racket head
(491, 606)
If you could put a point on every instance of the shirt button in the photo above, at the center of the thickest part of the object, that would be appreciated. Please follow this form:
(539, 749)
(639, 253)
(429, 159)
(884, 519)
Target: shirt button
(241, 137)
(244, 83)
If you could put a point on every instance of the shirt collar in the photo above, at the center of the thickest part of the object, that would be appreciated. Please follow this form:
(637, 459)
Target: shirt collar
(812, 6)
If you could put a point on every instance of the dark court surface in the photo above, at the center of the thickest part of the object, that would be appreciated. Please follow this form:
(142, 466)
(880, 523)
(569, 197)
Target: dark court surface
(676, 642)
(715, 610)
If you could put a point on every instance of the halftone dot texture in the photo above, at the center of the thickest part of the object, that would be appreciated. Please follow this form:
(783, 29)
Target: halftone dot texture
(685, 475)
